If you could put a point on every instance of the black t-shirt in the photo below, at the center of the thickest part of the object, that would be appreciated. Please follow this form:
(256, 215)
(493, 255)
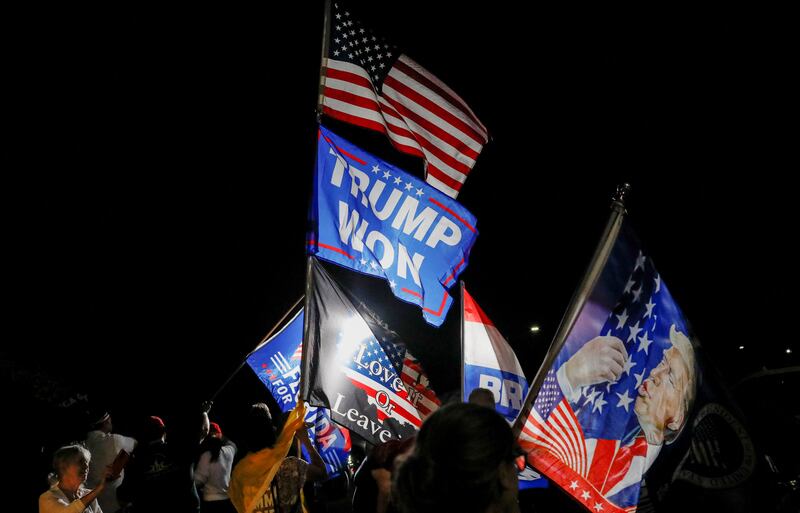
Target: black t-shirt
(159, 479)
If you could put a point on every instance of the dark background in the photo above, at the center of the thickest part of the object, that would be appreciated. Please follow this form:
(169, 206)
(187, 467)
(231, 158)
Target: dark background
(159, 163)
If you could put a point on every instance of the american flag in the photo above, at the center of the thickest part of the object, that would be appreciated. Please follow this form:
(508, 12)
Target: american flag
(368, 82)
(417, 386)
(589, 440)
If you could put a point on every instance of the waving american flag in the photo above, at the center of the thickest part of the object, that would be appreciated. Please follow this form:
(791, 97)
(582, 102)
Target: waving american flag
(370, 83)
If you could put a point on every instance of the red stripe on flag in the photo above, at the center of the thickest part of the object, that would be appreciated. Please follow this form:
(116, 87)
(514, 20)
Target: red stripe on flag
(433, 107)
(452, 214)
(452, 276)
(332, 248)
(603, 455)
(410, 96)
(347, 153)
(473, 312)
(622, 462)
(452, 100)
(443, 177)
(400, 409)
(581, 436)
(443, 154)
(352, 99)
(372, 125)
(434, 312)
(561, 474)
(346, 76)
(564, 432)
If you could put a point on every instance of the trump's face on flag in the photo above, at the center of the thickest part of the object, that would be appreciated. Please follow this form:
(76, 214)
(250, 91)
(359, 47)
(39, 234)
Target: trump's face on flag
(665, 397)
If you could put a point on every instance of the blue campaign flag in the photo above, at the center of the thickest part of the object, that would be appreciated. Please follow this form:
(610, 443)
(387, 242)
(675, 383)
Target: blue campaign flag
(277, 365)
(374, 218)
(621, 388)
(490, 363)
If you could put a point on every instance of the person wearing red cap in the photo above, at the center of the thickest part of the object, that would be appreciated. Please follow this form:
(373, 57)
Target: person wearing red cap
(212, 475)
(160, 476)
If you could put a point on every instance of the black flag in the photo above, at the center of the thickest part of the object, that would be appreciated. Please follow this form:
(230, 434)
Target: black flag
(352, 364)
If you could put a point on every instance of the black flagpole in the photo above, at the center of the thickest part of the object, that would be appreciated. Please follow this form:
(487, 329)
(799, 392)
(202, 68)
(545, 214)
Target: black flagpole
(263, 341)
(579, 298)
(462, 340)
(326, 28)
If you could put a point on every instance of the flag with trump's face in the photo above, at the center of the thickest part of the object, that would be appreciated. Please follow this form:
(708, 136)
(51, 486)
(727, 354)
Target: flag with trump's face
(621, 388)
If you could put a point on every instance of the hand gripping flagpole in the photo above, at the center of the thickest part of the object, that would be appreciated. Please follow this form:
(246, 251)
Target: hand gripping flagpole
(326, 28)
(263, 341)
(579, 298)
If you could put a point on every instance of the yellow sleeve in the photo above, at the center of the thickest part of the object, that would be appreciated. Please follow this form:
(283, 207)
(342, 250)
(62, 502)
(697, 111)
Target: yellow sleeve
(49, 503)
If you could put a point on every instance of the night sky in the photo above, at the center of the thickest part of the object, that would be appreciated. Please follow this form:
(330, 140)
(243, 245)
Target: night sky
(160, 163)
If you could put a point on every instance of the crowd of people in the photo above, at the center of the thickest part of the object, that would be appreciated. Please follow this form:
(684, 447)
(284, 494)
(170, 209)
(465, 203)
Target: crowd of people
(464, 459)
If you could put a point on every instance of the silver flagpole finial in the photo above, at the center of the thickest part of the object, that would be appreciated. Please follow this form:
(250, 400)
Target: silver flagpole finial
(619, 195)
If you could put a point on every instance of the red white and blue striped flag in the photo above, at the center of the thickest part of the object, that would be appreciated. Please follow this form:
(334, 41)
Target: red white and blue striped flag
(368, 82)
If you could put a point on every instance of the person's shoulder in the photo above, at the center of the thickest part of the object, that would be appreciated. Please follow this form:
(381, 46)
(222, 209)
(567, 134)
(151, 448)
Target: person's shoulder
(95, 435)
(50, 494)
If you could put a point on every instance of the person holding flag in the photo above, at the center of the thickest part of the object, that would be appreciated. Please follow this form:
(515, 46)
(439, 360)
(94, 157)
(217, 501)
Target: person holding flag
(266, 480)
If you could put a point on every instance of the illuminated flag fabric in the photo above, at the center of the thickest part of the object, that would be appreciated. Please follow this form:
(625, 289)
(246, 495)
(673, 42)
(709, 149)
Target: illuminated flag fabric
(376, 219)
(277, 364)
(621, 388)
(369, 83)
(353, 365)
(490, 363)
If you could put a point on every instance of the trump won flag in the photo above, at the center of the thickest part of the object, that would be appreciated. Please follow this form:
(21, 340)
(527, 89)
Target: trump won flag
(374, 218)
(621, 388)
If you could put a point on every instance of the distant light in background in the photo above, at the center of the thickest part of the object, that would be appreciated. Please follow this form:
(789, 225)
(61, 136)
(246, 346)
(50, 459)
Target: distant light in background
(535, 328)
(789, 350)
(741, 347)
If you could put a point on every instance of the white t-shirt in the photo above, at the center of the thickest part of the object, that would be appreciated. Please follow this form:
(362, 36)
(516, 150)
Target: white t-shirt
(215, 477)
(104, 447)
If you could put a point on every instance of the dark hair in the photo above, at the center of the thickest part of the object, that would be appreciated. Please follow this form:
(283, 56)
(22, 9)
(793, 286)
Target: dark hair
(479, 394)
(259, 431)
(213, 445)
(456, 462)
(383, 455)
